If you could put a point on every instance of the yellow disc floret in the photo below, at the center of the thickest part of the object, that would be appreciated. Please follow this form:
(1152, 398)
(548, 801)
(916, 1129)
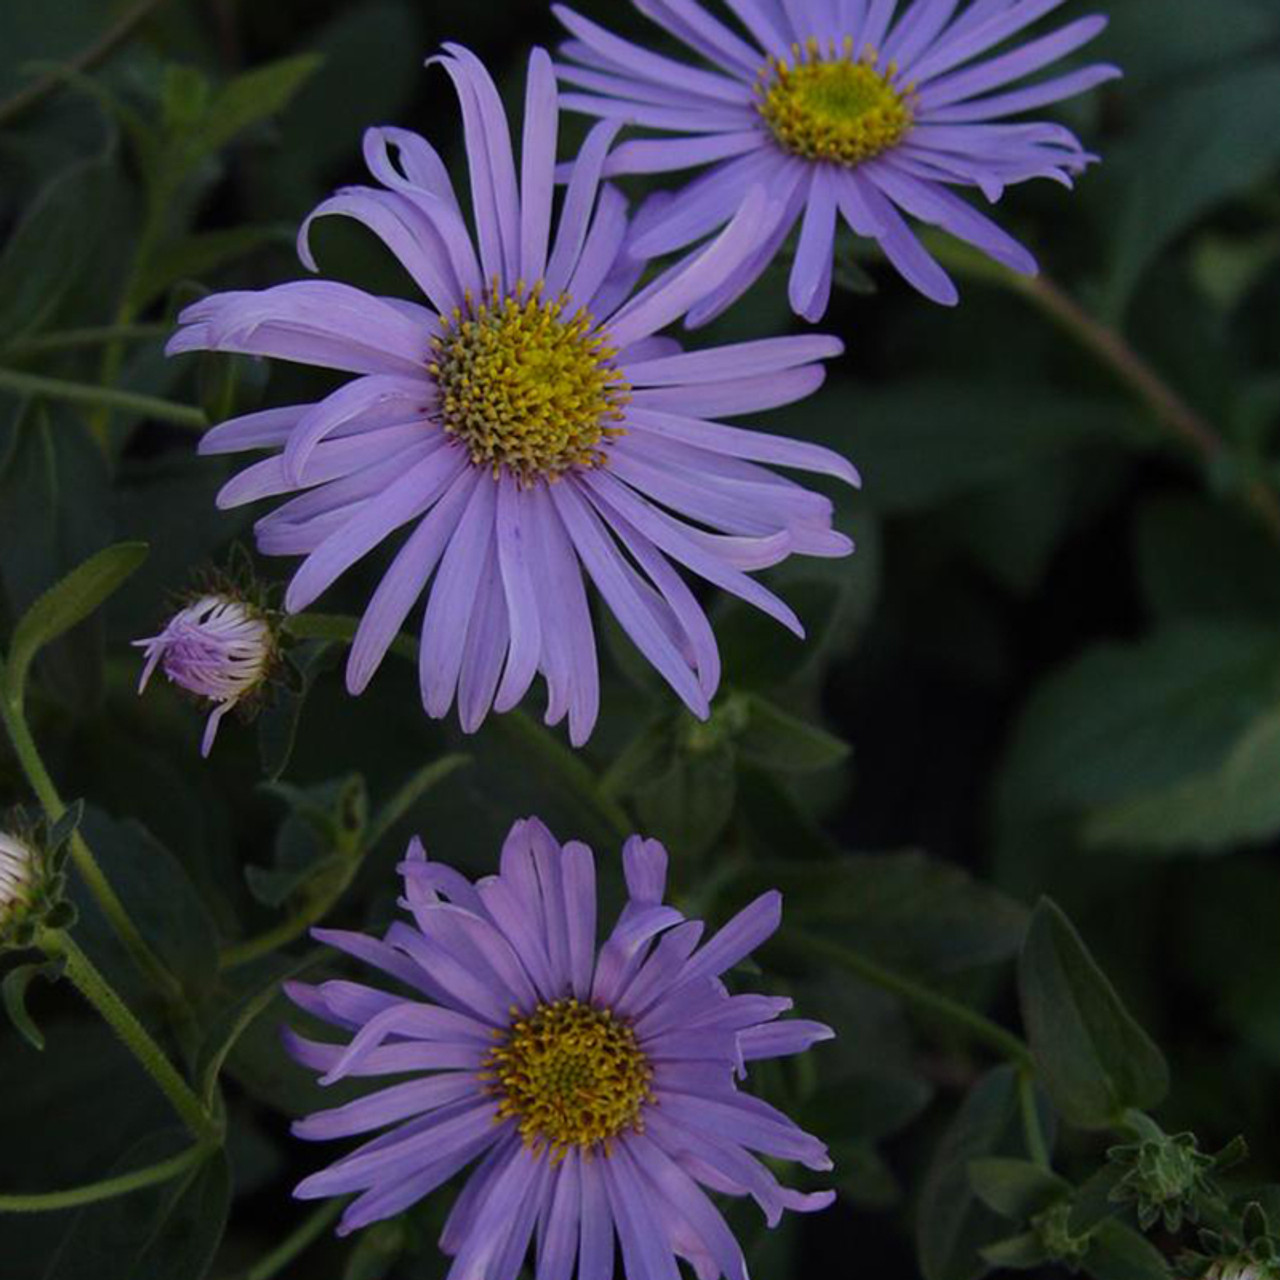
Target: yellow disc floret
(525, 387)
(570, 1076)
(825, 104)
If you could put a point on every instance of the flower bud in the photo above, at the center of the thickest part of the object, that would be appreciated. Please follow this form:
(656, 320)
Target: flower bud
(17, 879)
(221, 649)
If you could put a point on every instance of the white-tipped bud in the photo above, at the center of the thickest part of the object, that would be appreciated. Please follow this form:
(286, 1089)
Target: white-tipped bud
(17, 876)
(220, 648)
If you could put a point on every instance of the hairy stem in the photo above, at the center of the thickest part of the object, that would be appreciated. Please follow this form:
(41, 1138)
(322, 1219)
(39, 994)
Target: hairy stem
(93, 1192)
(918, 996)
(80, 970)
(99, 886)
(33, 384)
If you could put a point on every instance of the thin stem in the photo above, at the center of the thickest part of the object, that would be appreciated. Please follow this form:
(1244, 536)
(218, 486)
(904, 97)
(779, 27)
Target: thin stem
(305, 1234)
(102, 996)
(968, 1020)
(576, 776)
(93, 1192)
(84, 61)
(282, 934)
(99, 886)
(74, 339)
(1032, 1129)
(32, 384)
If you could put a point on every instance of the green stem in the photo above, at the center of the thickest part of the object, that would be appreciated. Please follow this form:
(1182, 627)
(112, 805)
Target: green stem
(32, 384)
(307, 1233)
(282, 934)
(968, 1020)
(73, 339)
(87, 59)
(102, 996)
(572, 771)
(99, 886)
(93, 1192)
(1032, 1130)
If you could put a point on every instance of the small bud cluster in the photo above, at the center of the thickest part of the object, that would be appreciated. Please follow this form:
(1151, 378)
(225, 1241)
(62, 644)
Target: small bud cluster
(31, 880)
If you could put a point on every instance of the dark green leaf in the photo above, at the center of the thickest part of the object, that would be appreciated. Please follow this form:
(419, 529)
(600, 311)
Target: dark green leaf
(1118, 1252)
(170, 1232)
(255, 96)
(1016, 1189)
(1092, 1057)
(1018, 1253)
(772, 739)
(14, 989)
(401, 804)
(80, 594)
(279, 719)
(952, 1225)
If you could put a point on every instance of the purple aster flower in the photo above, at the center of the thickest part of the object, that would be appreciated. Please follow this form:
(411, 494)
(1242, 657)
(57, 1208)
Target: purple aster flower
(221, 649)
(597, 1089)
(861, 109)
(526, 424)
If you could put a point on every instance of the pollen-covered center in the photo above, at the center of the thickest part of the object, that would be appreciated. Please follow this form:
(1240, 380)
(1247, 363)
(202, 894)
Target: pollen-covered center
(569, 1075)
(825, 104)
(526, 386)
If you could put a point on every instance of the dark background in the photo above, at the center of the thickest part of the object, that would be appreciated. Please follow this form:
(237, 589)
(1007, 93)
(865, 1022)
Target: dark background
(1055, 658)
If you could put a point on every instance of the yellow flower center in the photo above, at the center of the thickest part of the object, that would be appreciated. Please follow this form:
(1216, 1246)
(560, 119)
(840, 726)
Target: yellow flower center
(827, 105)
(569, 1075)
(525, 387)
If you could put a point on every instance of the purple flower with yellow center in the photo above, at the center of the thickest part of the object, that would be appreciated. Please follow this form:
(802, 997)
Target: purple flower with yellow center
(220, 648)
(596, 1088)
(864, 110)
(527, 424)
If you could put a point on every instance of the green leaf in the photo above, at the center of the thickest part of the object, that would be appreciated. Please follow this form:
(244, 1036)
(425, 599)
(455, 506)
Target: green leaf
(49, 248)
(279, 720)
(1171, 179)
(952, 1224)
(1126, 720)
(1016, 1189)
(14, 989)
(169, 1232)
(1092, 1058)
(773, 739)
(1236, 804)
(922, 444)
(257, 994)
(400, 805)
(1118, 1252)
(255, 96)
(905, 910)
(1018, 1253)
(80, 594)
(194, 256)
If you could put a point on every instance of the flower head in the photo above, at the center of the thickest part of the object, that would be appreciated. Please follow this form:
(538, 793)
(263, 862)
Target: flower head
(221, 648)
(597, 1088)
(526, 425)
(857, 109)
(18, 867)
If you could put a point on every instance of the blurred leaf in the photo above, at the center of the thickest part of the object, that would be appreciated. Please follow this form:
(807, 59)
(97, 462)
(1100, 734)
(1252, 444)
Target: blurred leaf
(905, 910)
(923, 443)
(1091, 1056)
(80, 594)
(1183, 546)
(401, 804)
(254, 96)
(279, 719)
(169, 1232)
(1019, 1253)
(1174, 172)
(772, 739)
(1016, 1189)
(1126, 720)
(1118, 1252)
(195, 256)
(1237, 803)
(952, 1225)
(49, 248)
